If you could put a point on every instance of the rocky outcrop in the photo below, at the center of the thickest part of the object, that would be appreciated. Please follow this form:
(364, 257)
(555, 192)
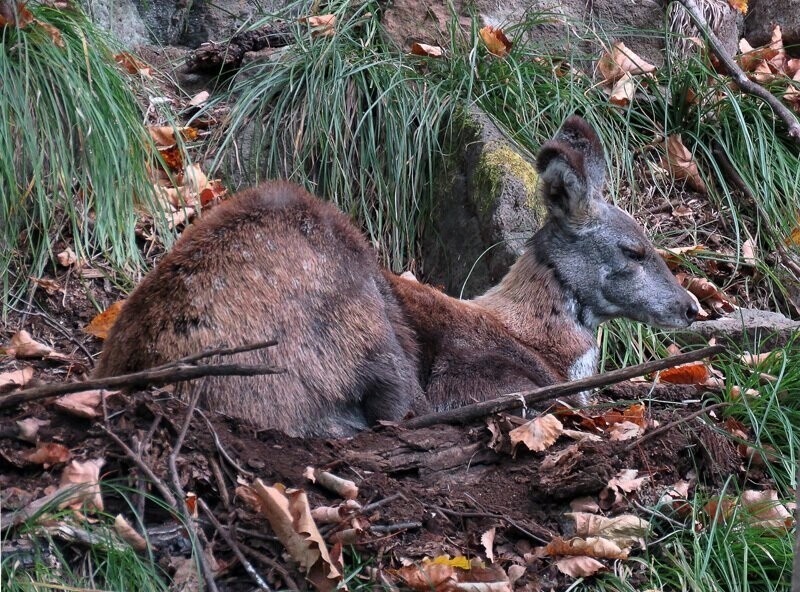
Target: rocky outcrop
(763, 15)
(486, 209)
(186, 23)
(749, 329)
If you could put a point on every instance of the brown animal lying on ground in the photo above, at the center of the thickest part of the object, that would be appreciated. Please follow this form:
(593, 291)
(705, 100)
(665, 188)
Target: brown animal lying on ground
(360, 344)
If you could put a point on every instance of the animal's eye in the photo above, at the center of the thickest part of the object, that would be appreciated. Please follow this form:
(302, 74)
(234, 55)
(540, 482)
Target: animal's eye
(634, 252)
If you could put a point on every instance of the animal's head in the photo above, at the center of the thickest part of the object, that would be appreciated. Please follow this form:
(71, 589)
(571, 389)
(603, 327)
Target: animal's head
(597, 250)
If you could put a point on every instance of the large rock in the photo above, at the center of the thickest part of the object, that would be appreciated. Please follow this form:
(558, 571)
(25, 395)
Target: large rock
(486, 211)
(554, 24)
(749, 329)
(763, 15)
(186, 23)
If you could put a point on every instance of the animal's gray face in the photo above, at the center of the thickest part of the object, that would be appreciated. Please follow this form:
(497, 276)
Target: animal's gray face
(614, 271)
(597, 251)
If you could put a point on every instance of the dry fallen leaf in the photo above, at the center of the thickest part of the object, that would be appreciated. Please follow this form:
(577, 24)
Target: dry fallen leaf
(538, 434)
(623, 90)
(29, 428)
(599, 547)
(691, 373)
(128, 534)
(740, 5)
(290, 517)
(680, 162)
(49, 453)
(706, 293)
(22, 345)
(487, 541)
(428, 576)
(15, 378)
(626, 430)
(323, 25)
(766, 509)
(67, 257)
(199, 99)
(101, 324)
(84, 404)
(422, 49)
(620, 61)
(625, 529)
(133, 65)
(81, 481)
(496, 41)
(579, 567)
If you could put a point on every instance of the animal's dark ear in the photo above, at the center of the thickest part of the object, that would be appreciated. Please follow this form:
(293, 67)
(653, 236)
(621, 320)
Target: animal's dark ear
(572, 170)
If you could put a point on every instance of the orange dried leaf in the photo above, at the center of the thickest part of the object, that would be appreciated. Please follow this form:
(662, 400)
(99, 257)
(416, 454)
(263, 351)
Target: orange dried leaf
(133, 65)
(422, 49)
(212, 191)
(101, 324)
(49, 453)
(680, 162)
(173, 158)
(496, 41)
(691, 373)
(740, 5)
(19, 18)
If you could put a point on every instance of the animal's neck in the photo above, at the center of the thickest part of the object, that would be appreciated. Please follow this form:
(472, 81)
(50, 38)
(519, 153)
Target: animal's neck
(537, 309)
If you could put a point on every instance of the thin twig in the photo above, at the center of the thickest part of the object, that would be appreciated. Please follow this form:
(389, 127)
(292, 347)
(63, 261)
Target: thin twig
(738, 75)
(191, 528)
(175, 372)
(221, 449)
(287, 578)
(381, 502)
(668, 426)
(222, 351)
(248, 567)
(137, 460)
(553, 391)
(512, 523)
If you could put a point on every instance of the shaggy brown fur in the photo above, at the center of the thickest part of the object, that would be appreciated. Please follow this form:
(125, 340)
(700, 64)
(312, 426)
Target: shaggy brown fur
(274, 262)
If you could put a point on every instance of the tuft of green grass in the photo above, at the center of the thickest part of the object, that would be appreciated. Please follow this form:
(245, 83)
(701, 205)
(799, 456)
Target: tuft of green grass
(73, 151)
(351, 120)
(107, 564)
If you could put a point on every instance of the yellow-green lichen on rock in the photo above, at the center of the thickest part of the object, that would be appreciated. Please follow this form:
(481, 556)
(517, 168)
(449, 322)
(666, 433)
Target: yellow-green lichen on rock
(500, 164)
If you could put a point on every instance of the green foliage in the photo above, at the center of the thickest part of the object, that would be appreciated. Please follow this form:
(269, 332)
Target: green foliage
(350, 120)
(73, 151)
(106, 564)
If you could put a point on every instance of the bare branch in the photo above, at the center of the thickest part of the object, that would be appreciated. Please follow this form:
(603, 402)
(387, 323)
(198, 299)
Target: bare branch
(738, 75)
(553, 391)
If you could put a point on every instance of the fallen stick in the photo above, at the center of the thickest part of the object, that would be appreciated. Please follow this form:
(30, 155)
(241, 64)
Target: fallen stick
(215, 58)
(178, 371)
(563, 389)
(738, 75)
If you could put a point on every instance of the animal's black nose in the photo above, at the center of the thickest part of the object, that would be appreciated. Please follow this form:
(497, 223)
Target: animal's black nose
(691, 312)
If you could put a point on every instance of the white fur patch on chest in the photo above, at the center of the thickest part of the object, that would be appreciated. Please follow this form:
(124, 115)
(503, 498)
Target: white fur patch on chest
(584, 366)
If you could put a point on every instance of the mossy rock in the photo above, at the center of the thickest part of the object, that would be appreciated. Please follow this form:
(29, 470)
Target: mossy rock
(487, 208)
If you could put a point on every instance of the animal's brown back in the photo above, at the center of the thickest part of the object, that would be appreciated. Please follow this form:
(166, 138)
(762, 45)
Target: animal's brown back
(274, 262)
(467, 353)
